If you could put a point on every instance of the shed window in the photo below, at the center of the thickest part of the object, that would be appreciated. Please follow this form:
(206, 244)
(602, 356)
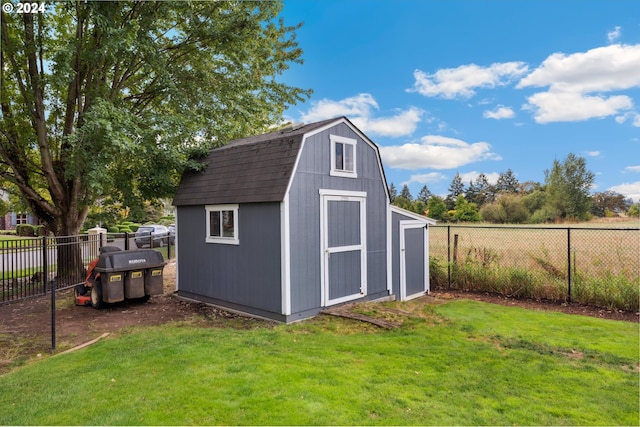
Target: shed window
(343, 156)
(222, 224)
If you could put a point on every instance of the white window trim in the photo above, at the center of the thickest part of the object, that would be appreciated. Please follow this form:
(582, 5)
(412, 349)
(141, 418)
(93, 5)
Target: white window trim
(348, 141)
(235, 240)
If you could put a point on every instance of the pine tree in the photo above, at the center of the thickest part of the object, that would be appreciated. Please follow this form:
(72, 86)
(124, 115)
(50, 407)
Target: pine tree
(507, 182)
(455, 189)
(485, 192)
(393, 192)
(406, 193)
(424, 195)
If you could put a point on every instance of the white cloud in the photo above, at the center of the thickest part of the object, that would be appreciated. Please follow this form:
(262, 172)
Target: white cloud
(629, 115)
(593, 153)
(360, 109)
(450, 83)
(570, 107)
(614, 35)
(355, 106)
(403, 123)
(578, 83)
(632, 169)
(630, 189)
(425, 178)
(501, 112)
(436, 152)
(601, 69)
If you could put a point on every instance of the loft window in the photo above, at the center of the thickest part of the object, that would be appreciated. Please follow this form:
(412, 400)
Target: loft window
(343, 156)
(222, 224)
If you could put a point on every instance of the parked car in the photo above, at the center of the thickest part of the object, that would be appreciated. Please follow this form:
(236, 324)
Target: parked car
(152, 235)
(172, 233)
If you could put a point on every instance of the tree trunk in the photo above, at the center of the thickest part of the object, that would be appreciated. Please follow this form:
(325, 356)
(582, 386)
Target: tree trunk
(70, 265)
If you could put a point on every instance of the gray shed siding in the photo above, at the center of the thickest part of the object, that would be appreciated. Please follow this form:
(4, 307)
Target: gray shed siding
(245, 276)
(312, 174)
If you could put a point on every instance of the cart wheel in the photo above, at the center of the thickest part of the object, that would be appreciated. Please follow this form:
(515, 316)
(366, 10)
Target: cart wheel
(96, 295)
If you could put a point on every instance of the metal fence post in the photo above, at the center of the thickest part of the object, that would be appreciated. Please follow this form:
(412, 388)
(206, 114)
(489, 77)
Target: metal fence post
(126, 241)
(448, 257)
(46, 281)
(568, 264)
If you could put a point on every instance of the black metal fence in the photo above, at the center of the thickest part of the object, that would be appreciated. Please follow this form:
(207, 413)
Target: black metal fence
(593, 266)
(34, 266)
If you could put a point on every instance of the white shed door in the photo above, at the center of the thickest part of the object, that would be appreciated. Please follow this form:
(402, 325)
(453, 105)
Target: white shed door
(343, 235)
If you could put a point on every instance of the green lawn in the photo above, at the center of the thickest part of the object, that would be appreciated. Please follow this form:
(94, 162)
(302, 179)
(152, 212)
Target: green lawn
(459, 363)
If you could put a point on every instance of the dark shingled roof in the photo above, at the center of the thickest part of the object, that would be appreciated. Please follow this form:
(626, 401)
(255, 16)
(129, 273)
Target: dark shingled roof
(253, 169)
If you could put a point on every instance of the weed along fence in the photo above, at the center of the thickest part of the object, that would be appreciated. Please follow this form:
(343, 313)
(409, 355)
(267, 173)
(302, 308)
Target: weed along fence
(34, 266)
(592, 266)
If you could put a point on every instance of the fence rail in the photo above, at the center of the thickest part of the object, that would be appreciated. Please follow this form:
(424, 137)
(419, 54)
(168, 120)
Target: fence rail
(34, 266)
(593, 266)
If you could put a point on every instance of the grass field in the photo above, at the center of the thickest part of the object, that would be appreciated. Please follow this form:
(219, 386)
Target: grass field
(459, 363)
(534, 262)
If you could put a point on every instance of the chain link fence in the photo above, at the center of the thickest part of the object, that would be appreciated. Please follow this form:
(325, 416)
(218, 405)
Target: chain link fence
(591, 266)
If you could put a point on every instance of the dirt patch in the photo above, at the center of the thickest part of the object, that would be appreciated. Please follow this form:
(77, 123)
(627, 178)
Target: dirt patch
(25, 326)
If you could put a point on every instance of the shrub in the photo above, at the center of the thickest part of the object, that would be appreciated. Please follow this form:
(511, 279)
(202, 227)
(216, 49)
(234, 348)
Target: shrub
(25, 230)
(41, 230)
(113, 230)
(437, 273)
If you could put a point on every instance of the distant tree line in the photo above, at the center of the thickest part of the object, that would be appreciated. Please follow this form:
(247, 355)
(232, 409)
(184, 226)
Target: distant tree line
(564, 195)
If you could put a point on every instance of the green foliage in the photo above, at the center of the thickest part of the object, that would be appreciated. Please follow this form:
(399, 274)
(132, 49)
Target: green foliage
(634, 210)
(402, 202)
(4, 207)
(436, 208)
(393, 193)
(534, 200)
(508, 208)
(113, 229)
(119, 98)
(465, 211)
(424, 195)
(568, 186)
(507, 183)
(608, 204)
(406, 193)
(437, 273)
(542, 216)
(455, 189)
(25, 230)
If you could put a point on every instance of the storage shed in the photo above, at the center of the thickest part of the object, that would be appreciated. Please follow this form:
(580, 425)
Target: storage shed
(284, 224)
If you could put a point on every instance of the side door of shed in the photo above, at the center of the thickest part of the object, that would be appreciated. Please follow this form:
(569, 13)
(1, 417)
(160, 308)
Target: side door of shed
(343, 252)
(414, 276)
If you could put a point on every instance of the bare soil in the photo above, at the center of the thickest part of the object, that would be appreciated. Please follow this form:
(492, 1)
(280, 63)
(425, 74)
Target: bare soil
(25, 326)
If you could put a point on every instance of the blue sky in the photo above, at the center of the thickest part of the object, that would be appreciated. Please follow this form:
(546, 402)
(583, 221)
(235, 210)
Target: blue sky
(474, 86)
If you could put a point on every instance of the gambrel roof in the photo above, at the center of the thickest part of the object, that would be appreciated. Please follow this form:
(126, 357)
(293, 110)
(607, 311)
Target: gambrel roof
(253, 169)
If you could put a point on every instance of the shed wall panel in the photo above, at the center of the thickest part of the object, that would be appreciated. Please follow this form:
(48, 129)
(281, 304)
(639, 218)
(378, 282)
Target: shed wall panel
(312, 174)
(247, 274)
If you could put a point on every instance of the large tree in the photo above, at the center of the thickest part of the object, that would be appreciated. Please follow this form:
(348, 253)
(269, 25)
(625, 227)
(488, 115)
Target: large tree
(115, 97)
(568, 186)
(455, 189)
